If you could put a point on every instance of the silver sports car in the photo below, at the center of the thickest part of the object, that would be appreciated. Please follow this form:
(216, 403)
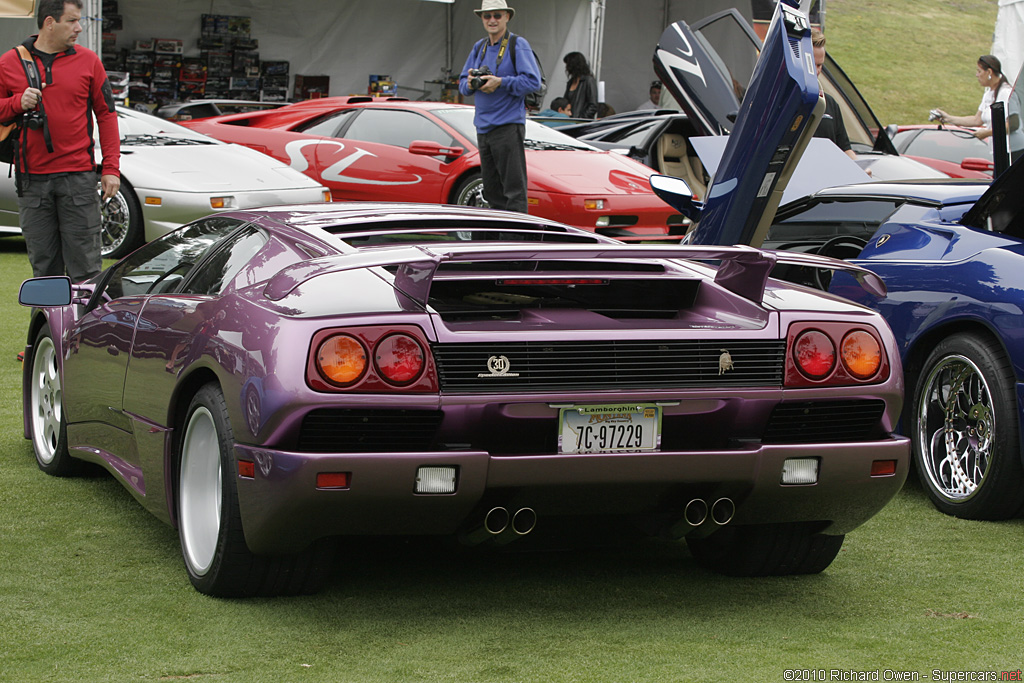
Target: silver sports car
(171, 175)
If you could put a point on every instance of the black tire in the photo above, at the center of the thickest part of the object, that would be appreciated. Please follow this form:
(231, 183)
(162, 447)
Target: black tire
(967, 450)
(121, 223)
(217, 559)
(765, 550)
(471, 191)
(47, 422)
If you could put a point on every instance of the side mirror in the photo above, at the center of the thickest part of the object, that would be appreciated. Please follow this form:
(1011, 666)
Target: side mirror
(977, 164)
(432, 149)
(45, 291)
(677, 194)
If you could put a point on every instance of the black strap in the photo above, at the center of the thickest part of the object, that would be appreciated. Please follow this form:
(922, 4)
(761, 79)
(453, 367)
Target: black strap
(28, 63)
(501, 51)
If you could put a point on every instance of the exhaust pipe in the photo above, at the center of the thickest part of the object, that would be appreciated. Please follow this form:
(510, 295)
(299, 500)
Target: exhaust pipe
(523, 522)
(722, 511)
(696, 512)
(495, 521)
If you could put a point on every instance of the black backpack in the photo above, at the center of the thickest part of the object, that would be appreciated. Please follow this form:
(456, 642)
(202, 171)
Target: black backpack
(534, 100)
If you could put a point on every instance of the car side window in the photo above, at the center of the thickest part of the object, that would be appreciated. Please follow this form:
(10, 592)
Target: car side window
(163, 263)
(395, 127)
(826, 219)
(948, 145)
(326, 126)
(220, 269)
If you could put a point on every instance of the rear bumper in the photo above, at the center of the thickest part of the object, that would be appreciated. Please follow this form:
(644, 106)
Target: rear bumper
(283, 511)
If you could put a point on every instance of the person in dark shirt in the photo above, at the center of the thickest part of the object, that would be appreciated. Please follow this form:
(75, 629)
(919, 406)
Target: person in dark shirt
(831, 125)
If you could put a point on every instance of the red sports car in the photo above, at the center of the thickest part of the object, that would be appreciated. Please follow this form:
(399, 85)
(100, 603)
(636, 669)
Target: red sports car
(950, 149)
(395, 150)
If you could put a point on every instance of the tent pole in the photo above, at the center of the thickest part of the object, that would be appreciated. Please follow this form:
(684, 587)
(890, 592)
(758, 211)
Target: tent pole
(596, 36)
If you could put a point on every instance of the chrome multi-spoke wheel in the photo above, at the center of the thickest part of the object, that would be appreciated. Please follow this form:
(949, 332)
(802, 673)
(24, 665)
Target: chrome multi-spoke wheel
(471, 192)
(120, 223)
(965, 429)
(956, 422)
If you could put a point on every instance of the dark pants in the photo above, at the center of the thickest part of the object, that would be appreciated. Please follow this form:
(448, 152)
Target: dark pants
(60, 219)
(503, 166)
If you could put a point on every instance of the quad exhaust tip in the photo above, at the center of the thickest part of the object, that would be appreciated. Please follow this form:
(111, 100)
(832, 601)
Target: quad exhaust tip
(722, 511)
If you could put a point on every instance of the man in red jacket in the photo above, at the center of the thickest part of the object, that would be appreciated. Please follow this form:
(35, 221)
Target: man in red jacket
(57, 199)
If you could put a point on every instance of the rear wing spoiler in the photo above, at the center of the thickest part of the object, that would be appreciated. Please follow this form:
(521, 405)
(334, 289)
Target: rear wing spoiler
(743, 270)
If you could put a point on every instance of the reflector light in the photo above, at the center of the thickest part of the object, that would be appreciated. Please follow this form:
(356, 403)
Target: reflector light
(800, 471)
(435, 479)
(533, 201)
(246, 468)
(861, 354)
(341, 359)
(153, 201)
(593, 204)
(883, 468)
(333, 480)
(554, 281)
(815, 354)
(399, 359)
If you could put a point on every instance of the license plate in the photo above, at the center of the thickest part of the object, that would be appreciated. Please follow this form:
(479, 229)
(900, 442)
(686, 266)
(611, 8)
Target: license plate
(613, 428)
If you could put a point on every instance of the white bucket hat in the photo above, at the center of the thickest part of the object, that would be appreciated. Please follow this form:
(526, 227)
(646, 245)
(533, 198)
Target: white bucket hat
(494, 5)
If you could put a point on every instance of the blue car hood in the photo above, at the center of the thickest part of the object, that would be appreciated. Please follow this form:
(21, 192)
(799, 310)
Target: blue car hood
(779, 112)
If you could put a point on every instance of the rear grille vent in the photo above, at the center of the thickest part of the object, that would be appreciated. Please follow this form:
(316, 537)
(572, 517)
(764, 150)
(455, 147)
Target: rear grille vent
(343, 430)
(822, 422)
(580, 366)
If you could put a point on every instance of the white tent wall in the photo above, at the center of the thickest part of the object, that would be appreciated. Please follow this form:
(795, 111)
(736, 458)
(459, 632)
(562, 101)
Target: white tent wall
(631, 32)
(350, 39)
(1008, 40)
(413, 41)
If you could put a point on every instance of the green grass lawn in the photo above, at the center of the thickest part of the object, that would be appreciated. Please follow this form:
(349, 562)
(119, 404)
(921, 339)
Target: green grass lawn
(910, 56)
(92, 588)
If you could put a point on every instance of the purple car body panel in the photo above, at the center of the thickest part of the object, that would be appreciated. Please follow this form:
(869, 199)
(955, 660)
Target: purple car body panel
(130, 364)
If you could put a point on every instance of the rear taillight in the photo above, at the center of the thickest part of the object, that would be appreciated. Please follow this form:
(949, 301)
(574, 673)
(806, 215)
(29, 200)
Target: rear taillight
(834, 354)
(340, 360)
(861, 354)
(399, 359)
(815, 354)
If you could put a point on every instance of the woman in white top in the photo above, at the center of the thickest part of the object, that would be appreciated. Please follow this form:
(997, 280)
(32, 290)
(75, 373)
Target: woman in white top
(997, 89)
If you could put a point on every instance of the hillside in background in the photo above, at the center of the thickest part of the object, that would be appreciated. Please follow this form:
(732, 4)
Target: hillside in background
(910, 56)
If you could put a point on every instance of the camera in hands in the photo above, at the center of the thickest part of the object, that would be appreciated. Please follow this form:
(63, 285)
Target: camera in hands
(34, 119)
(476, 80)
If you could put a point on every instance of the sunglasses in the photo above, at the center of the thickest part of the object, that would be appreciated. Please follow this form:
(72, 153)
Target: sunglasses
(487, 16)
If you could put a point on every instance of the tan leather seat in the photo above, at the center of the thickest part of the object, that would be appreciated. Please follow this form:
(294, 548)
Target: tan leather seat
(675, 160)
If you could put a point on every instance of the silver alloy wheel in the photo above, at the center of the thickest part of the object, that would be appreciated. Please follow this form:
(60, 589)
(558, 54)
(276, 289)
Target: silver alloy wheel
(46, 401)
(200, 491)
(115, 222)
(472, 194)
(956, 428)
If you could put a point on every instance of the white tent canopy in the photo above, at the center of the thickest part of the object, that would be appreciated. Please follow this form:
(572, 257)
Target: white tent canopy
(414, 42)
(1008, 40)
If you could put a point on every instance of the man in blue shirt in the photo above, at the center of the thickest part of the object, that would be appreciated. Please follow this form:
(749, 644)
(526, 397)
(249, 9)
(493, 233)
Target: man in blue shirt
(499, 91)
